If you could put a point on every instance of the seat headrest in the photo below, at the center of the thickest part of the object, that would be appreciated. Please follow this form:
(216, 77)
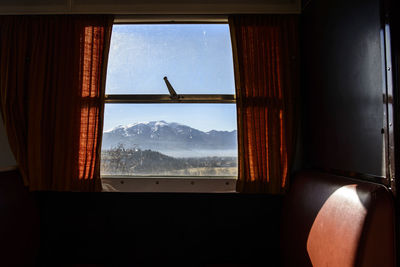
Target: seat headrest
(331, 220)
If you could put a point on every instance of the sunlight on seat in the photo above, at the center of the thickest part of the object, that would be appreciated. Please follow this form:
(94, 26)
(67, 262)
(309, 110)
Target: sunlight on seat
(335, 234)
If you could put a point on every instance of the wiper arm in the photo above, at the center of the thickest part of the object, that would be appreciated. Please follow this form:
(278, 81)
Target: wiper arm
(171, 90)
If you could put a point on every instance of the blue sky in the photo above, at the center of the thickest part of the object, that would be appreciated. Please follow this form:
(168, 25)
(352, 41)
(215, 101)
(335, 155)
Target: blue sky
(196, 58)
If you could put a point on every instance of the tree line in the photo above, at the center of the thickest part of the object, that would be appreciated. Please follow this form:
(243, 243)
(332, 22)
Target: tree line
(134, 161)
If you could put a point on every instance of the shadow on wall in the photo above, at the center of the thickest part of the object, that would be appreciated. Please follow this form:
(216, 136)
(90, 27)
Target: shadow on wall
(19, 226)
(6, 156)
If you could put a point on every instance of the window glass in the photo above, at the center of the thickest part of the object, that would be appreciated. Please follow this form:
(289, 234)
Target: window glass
(170, 139)
(196, 58)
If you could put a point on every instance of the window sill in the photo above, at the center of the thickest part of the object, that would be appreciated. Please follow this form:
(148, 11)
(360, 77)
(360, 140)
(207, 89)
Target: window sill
(167, 184)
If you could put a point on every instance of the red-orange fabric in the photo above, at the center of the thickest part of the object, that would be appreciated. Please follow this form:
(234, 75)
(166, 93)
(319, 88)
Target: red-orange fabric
(266, 70)
(52, 91)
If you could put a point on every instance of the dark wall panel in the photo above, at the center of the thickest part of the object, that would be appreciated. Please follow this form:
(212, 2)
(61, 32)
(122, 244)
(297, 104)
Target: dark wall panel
(153, 229)
(136, 229)
(19, 224)
(343, 85)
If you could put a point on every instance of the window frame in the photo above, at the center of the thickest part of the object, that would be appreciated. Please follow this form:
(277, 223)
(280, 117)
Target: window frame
(195, 184)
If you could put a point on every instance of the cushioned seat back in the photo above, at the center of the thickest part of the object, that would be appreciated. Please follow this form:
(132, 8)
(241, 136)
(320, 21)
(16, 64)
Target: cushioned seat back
(332, 221)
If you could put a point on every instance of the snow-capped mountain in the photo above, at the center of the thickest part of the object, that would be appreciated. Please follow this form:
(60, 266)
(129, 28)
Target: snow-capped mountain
(170, 138)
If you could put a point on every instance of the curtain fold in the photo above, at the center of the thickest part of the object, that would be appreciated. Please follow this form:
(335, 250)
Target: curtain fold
(52, 89)
(267, 83)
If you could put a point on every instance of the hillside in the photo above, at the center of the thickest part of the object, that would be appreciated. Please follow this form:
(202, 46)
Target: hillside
(173, 139)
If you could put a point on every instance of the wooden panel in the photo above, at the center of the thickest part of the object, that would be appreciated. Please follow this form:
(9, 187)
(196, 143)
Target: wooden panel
(148, 7)
(187, 6)
(34, 6)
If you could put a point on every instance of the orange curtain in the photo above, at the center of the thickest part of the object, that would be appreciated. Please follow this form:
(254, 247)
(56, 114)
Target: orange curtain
(52, 90)
(266, 70)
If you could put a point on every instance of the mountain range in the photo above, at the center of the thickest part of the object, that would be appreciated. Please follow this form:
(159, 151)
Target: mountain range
(173, 139)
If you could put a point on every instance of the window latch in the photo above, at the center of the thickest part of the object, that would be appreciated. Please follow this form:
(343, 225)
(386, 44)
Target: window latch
(171, 90)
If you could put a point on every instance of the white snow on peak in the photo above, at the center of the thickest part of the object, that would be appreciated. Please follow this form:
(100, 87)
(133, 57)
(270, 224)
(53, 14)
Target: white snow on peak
(155, 125)
(160, 123)
(124, 127)
(148, 123)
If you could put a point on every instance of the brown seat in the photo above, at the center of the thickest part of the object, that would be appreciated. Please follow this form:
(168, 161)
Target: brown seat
(333, 221)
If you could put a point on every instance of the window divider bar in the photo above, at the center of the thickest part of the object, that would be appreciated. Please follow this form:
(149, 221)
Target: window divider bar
(186, 98)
